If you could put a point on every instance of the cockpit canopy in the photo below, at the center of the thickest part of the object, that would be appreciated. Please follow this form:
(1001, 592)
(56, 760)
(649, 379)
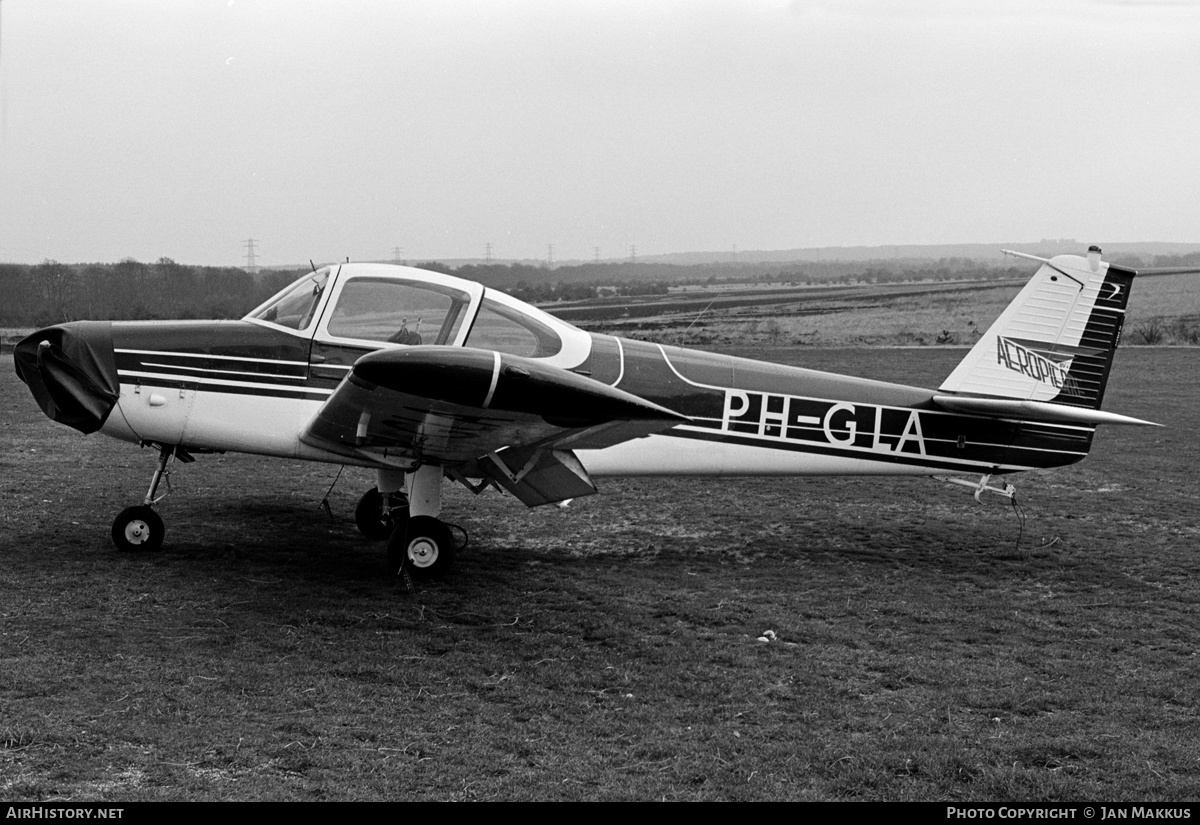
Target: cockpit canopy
(372, 305)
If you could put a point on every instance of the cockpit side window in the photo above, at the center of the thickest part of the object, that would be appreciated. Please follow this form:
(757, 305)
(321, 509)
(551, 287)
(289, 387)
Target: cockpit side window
(397, 312)
(295, 308)
(504, 329)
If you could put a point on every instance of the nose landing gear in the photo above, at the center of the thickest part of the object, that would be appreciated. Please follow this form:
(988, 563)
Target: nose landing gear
(140, 527)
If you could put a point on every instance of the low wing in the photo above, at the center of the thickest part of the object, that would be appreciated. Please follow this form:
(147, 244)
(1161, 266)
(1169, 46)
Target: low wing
(480, 413)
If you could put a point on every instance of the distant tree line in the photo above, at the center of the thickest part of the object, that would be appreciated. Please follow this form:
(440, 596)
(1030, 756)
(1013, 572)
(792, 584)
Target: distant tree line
(52, 292)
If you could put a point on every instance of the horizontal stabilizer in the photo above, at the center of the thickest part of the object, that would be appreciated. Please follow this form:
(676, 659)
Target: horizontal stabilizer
(1039, 410)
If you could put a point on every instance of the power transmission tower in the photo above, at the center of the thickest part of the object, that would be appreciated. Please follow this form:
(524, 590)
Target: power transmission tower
(251, 255)
(549, 254)
(487, 253)
(398, 255)
(633, 253)
(597, 253)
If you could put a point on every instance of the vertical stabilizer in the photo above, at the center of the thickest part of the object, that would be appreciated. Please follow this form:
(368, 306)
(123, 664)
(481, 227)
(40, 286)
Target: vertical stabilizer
(1055, 341)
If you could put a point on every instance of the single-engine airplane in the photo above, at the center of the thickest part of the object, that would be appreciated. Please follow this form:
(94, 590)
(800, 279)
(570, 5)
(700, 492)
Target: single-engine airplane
(426, 377)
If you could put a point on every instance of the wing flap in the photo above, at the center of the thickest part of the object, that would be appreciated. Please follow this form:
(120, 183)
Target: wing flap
(449, 406)
(537, 476)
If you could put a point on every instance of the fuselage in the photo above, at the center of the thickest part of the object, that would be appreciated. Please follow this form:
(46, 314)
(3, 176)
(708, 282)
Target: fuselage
(254, 385)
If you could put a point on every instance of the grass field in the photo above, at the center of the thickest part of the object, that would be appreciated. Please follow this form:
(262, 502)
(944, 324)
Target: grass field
(611, 650)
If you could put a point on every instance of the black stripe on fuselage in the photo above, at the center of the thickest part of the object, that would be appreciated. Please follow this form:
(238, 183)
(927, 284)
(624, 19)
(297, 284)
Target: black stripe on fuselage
(948, 434)
(191, 382)
(197, 366)
(771, 418)
(1012, 462)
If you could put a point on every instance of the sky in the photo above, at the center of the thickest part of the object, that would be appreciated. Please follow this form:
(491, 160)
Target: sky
(325, 130)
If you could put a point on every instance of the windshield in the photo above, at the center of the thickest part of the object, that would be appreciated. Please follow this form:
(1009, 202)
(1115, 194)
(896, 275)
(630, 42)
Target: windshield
(295, 308)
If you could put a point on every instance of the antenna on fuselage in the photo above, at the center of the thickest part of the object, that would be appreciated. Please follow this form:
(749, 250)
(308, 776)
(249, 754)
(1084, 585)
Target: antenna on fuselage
(699, 315)
(314, 266)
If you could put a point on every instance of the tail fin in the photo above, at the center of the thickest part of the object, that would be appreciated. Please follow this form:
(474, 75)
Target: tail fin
(1055, 342)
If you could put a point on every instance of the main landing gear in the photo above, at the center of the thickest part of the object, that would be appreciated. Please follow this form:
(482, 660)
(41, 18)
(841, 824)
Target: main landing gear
(418, 539)
(140, 527)
(426, 546)
(378, 516)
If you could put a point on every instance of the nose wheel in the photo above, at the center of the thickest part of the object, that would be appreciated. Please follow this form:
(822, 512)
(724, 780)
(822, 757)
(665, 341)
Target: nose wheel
(424, 545)
(140, 527)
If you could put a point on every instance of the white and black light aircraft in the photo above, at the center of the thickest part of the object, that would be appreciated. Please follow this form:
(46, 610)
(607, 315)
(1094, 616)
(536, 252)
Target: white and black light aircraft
(425, 378)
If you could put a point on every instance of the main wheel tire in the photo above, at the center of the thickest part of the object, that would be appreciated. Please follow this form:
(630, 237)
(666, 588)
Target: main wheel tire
(426, 546)
(369, 518)
(138, 528)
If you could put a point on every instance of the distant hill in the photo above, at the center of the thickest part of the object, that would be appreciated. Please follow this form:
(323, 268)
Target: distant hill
(974, 251)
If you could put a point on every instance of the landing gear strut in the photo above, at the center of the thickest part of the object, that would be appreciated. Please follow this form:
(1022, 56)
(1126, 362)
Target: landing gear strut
(140, 528)
(422, 542)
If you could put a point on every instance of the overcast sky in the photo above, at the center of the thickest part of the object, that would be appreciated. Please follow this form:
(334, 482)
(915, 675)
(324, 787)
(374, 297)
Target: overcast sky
(180, 128)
